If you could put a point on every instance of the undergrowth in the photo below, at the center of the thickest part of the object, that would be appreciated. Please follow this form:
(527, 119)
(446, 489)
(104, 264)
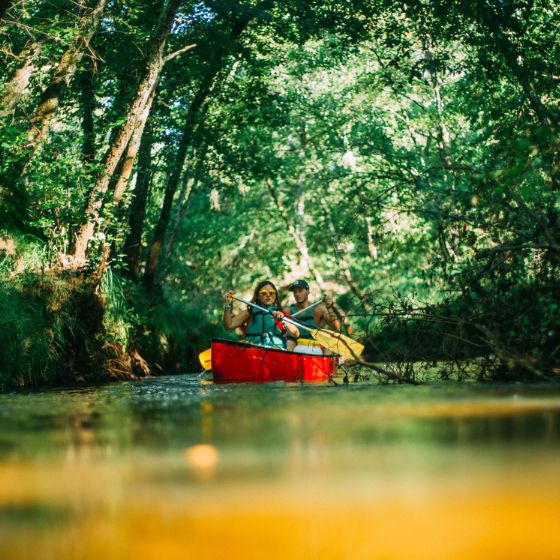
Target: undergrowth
(58, 327)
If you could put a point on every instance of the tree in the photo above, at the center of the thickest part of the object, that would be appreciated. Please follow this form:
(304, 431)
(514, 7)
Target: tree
(134, 121)
(51, 97)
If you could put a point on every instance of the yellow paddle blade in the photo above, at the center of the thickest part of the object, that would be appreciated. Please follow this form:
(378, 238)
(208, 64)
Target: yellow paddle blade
(205, 358)
(338, 343)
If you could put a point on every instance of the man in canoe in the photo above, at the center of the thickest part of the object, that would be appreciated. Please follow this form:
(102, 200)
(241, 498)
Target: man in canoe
(314, 315)
(264, 329)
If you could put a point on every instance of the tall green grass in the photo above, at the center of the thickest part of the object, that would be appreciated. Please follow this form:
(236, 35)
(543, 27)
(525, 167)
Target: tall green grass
(31, 342)
(55, 327)
(120, 317)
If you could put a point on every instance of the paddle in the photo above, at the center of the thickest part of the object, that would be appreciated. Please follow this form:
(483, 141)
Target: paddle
(306, 308)
(205, 358)
(336, 342)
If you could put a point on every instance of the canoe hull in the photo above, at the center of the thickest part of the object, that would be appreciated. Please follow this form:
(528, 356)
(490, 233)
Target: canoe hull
(238, 361)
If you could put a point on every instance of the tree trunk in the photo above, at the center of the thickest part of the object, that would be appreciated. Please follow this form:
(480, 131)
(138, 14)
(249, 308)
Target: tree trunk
(155, 62)
(137, 210)
(493, 24)
(132, 151)
(299, 241)
(120, 181)
(443, 132)
(87, 101)
(305, 256)
(372, 247)
(295, 227)
(544, 116)
(152, 262)
(443, 150)
(18, 85)
(51, 97)
(183, 200)
(125, 167)
(189, 186)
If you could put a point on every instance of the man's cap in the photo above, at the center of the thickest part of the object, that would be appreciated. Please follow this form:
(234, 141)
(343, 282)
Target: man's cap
(299, 284)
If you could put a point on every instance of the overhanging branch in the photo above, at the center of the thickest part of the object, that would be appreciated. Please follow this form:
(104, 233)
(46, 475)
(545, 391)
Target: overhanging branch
(178, 52)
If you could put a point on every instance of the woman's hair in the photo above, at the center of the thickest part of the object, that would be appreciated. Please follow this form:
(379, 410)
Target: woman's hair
(258, 288)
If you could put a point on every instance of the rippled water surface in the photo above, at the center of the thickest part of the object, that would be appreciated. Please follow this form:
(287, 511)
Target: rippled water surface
(177, 467)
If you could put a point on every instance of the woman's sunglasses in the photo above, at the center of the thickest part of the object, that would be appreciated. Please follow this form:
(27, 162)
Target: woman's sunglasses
(267, 292)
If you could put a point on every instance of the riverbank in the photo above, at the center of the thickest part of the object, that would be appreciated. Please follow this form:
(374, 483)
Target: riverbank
(81, 328)
(55, 330)
(509, 335)
(75, 328)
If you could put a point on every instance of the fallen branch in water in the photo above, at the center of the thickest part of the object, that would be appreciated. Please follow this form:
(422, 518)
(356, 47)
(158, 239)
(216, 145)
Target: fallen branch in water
(389, 374)
(507, 356)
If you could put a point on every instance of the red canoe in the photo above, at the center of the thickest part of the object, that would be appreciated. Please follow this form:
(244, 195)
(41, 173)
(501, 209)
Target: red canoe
(239, 361)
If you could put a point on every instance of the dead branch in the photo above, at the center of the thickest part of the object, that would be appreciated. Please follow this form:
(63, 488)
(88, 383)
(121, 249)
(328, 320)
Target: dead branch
(389, 374)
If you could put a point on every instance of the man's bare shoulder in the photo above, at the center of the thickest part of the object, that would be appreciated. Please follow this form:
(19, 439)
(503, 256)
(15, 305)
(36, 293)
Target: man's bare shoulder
(320, 310)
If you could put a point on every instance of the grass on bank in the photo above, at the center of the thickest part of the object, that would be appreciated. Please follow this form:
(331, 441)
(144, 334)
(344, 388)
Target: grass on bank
(56, 327)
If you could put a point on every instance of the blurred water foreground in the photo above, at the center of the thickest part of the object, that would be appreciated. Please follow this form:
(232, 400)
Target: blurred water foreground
(177, 467)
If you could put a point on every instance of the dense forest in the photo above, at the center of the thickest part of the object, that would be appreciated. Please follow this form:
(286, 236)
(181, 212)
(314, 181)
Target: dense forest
(403, 157)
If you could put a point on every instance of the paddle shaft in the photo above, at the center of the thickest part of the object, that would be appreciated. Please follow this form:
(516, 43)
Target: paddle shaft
(205, 356)
(288, 320)
(306, 308)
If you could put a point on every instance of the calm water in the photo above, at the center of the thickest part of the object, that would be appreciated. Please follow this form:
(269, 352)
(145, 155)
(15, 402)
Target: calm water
(177, 467)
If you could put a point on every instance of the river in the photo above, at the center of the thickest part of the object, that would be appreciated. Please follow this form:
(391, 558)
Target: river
(177, 467)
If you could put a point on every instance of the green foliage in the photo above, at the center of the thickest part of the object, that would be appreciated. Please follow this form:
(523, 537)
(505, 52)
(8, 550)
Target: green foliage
(38, 323)
(22, 352)
(119, 318)
(169, 334)
(404, 154)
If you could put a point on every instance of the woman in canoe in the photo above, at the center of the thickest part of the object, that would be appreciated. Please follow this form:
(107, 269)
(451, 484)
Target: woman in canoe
(264, 329)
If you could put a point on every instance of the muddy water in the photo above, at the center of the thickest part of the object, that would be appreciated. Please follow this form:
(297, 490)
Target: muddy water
(179, 468)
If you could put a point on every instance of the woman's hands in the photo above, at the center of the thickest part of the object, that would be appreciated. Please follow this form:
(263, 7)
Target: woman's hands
(278, 315)
(230, 320)
(287, 327)
(228, 306)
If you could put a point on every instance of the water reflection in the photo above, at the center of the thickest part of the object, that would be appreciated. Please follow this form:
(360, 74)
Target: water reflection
(163, 466)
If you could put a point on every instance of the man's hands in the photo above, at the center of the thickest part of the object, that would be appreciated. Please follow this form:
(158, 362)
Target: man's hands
(330, 316)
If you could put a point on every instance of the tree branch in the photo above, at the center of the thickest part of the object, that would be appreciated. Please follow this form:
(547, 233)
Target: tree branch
(387, 373)
(178, 52)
